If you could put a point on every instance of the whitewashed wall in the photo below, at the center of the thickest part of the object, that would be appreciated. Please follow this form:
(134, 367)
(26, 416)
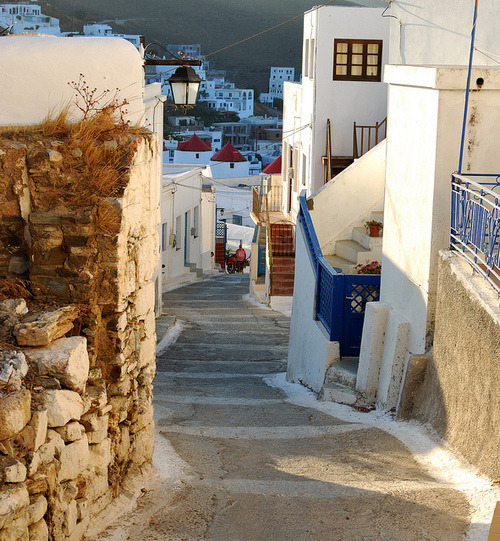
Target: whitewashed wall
(349, 198)
(224, 169)
(438, 33)
(310, 352)
(181, 193)
(425, 123)
(35, 72)
(343, 102)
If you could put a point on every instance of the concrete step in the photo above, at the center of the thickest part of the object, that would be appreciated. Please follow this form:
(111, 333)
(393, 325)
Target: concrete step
(335, 392)
(351, 250)
(360, 236)
(342, 263)
(343, 372)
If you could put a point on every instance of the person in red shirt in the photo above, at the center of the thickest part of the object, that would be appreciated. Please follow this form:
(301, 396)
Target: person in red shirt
(241, 255)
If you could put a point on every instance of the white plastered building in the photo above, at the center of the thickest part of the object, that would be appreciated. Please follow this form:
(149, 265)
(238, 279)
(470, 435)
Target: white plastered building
(29, 18)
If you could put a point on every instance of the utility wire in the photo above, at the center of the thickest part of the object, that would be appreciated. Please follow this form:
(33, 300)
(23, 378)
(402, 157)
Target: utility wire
(263, 31)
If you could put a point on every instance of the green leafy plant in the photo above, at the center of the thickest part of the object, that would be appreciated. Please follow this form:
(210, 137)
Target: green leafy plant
(373, 223)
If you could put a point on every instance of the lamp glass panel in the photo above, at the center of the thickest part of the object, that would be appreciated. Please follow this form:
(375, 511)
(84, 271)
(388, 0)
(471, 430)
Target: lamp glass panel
(193, 93)
(179, 93)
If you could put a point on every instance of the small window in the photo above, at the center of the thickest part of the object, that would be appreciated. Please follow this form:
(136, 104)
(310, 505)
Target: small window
(197, 156)
(237, 219)
(357, 60)
(231, 165)
(306, 59)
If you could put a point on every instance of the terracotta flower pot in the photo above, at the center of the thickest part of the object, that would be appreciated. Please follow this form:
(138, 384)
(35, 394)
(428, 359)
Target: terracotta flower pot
(374, 230)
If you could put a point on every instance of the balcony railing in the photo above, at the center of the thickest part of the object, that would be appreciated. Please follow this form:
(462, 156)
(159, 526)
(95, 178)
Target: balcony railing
(366, 137)
(475, 224)
(266, 199)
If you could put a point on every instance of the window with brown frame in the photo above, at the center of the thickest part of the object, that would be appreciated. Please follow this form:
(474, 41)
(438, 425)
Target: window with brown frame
(357, 60)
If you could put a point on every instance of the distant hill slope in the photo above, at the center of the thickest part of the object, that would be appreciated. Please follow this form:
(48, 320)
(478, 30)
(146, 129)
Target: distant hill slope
(213, 23)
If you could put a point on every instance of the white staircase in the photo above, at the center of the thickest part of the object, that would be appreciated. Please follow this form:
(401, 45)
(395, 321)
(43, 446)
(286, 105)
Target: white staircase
(359, 249)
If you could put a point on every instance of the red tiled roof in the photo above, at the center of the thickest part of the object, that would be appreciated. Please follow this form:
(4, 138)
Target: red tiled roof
(228, 154)
(194, 144)
(274, 168)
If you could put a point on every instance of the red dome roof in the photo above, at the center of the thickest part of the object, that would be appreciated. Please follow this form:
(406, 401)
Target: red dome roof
(274, 168)
(194, 144)
(228, 154)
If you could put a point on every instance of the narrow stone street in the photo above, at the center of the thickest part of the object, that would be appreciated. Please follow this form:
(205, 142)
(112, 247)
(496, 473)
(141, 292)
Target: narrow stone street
(238, 460)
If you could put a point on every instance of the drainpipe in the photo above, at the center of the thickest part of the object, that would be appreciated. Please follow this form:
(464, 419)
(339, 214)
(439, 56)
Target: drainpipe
(467, 90)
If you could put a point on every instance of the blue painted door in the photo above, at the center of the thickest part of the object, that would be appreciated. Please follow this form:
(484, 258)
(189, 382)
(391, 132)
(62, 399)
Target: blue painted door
(358, 290)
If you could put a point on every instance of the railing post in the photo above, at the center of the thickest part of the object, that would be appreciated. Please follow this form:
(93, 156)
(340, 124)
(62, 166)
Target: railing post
(337, 308)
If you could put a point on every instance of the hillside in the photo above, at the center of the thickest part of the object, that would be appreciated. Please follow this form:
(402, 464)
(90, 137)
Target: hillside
(213, 23)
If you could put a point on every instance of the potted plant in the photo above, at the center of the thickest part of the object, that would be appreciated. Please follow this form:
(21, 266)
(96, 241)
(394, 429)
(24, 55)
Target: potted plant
(373, 227)
(374, 267)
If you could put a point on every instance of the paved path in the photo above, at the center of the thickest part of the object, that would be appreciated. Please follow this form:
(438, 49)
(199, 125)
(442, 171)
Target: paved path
(239, 462)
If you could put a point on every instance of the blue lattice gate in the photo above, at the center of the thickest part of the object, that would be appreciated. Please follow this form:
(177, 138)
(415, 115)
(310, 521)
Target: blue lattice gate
(358, 290)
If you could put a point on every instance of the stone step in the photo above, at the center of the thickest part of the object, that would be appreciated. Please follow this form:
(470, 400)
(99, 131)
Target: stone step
(378, 215)
(335, 392)
(341, 263)
(360, 236)
(351, 250)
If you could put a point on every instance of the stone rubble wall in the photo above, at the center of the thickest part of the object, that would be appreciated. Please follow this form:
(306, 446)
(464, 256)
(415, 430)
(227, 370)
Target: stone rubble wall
(76, 414)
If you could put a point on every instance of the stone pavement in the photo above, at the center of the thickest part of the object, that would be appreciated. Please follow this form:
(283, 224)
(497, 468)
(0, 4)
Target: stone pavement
(238, 461)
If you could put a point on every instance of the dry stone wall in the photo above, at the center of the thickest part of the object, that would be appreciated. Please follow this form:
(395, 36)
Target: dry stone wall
(77, 339)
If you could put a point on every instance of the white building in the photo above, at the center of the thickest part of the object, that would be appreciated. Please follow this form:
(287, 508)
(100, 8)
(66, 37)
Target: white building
(172, 152)
(27, 18)
(228, 162)
(276, 79)
(187, 225)
(231, 100)
(104, 30)
(344, 50)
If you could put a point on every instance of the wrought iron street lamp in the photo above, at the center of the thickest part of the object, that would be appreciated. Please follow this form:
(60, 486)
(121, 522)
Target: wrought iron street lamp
(185, 82)
(185, 85)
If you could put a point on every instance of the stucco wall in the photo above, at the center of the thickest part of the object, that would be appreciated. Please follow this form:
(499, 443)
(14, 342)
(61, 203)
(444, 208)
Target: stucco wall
(349, 198)
(460, 395)
(445, 28)
(35, 72)
(309, 351)
(343, 102)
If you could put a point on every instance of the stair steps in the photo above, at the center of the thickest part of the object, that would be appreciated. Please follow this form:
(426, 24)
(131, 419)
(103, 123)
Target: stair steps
(359, 249)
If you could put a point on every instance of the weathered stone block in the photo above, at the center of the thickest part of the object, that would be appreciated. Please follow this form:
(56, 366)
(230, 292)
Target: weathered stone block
(97, 394)
(17, 529)
(141, 450)
(70, 518)
(15, 306)
(82, 507)
(62, 406)
(37, 508)
(101, 432)
(13, 368)
(144, 300)
(65, 359)
(71, 432)
(100, 455)
(39, 424)
(15, 413)
(39, 531)
(47, 327)
(13, 500)
(11, 470)
(74, 459)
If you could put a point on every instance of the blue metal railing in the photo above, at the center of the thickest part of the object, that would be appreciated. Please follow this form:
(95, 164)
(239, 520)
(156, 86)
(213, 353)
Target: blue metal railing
(475, 224)
(329, 287)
